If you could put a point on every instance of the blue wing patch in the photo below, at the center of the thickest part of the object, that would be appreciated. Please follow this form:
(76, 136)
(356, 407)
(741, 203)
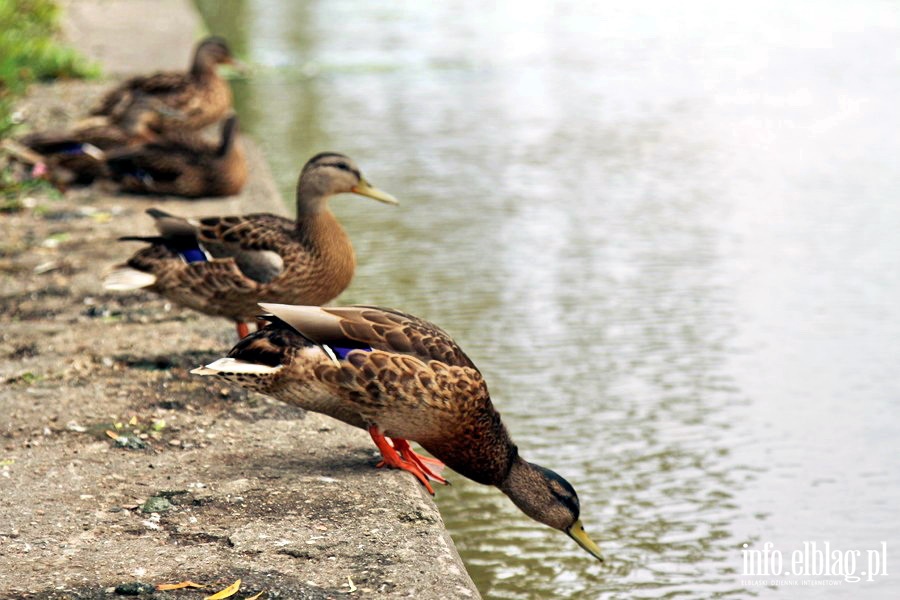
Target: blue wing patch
(192, 255)
(346, 347)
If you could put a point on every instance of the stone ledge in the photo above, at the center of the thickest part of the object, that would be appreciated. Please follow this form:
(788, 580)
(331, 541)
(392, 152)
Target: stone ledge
(245, 486)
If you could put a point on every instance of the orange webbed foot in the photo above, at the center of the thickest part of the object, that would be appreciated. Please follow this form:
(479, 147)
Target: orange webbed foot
(390, 458)
(431, 467)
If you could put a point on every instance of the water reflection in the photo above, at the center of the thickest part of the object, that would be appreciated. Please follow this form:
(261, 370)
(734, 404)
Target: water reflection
(664, 233)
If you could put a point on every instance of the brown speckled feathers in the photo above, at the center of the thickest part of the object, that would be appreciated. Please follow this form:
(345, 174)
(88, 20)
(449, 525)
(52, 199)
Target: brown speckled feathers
(253, 257)
(401, 373)
(183, 164)
(225, 265)
(189, 100)
(386, 329)
(78, 154)
(401, 378)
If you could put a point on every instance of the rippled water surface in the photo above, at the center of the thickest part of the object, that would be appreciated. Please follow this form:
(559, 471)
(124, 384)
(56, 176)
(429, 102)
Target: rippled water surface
(669, 235)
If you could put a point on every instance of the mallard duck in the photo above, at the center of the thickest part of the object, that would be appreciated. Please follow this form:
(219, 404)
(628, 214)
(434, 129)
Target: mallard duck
(190, 100)
(78, 155)
(403, 378)
(184, 164)
(223, 266)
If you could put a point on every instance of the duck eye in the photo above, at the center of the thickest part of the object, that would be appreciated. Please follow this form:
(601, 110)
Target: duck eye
(343, 166)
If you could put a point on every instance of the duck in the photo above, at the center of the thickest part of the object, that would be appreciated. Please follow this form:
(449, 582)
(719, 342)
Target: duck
(224, 265)
(182, 164)
(402, 379)
(180, 100)
(78, 155)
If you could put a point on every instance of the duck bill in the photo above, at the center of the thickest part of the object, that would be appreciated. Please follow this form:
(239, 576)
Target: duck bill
(577, 533)
(364, 189)
(233, 67)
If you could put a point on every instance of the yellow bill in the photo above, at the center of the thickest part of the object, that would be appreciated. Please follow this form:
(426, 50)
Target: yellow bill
(363, 188)
(577, 533)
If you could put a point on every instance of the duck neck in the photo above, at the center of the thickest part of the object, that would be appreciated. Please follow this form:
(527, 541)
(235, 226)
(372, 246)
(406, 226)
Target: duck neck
(323, 238)
(319, 228)
(228, 135)
(203, 68)
(519, 472)
(310, 202)
(481, 449)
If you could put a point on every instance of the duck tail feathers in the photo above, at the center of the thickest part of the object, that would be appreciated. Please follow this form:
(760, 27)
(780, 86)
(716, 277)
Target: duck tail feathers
(125, 278)
(226, 366)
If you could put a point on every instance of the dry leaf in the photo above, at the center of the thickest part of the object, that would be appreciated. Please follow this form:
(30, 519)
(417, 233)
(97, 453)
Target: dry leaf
(231, 590)
(257, 596)
(179, 586)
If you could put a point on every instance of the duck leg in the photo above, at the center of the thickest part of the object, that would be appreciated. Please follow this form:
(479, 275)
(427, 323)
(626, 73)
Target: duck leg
(430, 466)
(392, 459)
(243, 330)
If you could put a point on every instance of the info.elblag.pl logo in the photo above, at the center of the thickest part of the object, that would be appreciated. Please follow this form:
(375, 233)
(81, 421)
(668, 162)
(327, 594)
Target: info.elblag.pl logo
(813, 563)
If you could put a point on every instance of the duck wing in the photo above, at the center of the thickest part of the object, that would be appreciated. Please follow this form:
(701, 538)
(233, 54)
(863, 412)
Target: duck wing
(151, 161)
(369, 327)
(115, 102)
(255, 242)
(217, 245)
(54, 141)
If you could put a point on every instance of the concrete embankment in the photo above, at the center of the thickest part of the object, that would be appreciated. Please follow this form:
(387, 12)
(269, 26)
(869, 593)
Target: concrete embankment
(205, 483)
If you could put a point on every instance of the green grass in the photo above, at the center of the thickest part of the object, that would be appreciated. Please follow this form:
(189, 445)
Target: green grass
(12, 191)
(30, 51)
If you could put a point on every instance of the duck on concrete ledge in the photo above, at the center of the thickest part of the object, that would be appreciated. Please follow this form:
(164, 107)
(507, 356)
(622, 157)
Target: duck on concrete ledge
(401, 378)
(182, 164)
(78, 155)
(182, 100)
(225, 266)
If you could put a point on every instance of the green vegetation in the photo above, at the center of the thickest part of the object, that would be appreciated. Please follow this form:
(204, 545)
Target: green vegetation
(29, 51)
(13, 190)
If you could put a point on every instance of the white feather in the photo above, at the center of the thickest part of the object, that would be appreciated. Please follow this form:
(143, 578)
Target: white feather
(93, 151)
(126, 278)
(232, 365)
(331, 354)
(312, 321)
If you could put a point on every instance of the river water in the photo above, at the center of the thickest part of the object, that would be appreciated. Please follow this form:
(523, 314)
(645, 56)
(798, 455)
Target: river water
(669, 235)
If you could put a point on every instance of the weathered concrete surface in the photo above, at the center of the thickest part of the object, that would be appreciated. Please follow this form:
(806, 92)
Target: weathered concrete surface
(129, 37)
(287, 501)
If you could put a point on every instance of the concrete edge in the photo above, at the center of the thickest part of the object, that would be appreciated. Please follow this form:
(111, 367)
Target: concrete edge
(101, 29)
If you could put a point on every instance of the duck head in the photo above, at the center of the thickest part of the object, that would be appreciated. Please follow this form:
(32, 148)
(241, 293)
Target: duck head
(330, 173)
(548, 498)
(211, 52)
